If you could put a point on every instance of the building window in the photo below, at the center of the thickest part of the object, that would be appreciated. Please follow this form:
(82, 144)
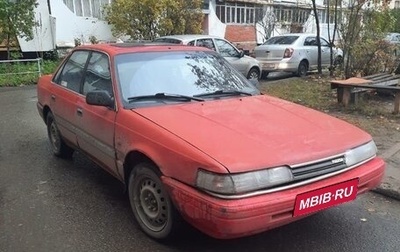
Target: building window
(291, 14)
(397, 4)
(87, 8)
(206, 4)
(238, 13)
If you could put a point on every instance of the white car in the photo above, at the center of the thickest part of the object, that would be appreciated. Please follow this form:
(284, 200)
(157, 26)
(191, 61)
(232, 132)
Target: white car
(296, 53)
(247, 65)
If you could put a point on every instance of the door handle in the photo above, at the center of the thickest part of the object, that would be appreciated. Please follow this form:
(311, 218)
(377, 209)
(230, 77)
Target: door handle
(79, 111)
(53, 97)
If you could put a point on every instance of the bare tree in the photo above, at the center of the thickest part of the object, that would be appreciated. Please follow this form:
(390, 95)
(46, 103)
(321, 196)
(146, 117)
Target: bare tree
(337, 61)
(265, 21)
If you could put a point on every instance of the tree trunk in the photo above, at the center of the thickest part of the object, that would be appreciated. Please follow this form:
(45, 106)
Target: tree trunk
(318, 37)
(8, 38)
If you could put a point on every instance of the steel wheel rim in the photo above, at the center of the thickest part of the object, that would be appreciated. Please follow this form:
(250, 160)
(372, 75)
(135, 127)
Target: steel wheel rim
(151, 204)
(253, 75)
(54, 137)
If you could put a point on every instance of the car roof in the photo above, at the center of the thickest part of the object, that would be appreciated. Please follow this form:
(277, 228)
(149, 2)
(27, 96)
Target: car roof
(188, 37)
(122, 48)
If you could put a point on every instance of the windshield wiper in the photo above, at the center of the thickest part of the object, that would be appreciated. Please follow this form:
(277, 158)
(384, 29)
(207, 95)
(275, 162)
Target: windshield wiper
(224, 93)
(164, 96)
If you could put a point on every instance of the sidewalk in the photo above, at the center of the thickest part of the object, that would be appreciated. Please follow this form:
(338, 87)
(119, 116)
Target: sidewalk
(391, 182)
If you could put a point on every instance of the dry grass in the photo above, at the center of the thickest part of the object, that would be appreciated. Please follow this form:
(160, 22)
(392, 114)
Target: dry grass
(373, 112)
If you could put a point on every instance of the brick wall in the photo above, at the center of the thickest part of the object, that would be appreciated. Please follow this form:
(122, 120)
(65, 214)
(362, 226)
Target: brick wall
(243, 36)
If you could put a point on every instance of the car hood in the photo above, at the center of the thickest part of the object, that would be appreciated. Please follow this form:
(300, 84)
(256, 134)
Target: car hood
(256, 132)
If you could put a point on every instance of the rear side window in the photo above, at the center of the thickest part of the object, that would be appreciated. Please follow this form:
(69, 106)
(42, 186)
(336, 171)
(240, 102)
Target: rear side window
(281, 40)
(207, 42)
(71, 73)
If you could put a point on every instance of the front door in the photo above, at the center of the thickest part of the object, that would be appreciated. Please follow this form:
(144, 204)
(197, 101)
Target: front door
(231, 54)
(96, 124)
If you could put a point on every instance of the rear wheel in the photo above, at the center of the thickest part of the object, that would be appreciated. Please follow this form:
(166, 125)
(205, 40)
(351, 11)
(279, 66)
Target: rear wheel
(57, 144)
(254, 74)
(337, 63)
(302, 69)
(150, 203)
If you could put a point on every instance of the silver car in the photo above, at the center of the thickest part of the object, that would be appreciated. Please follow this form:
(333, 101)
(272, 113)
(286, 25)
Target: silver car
(248, 66)
(295, 52)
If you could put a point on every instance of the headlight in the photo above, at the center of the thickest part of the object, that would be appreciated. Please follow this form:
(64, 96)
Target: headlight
(360, 153)
(243, 182)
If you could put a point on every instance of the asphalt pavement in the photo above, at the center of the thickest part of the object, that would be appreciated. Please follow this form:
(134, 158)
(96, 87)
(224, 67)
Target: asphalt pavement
(50, 204)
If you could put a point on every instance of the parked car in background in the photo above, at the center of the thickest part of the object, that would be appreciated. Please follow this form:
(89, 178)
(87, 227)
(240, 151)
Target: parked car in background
(247, 65)
(393, 38)
(190, 137)
(296, 53)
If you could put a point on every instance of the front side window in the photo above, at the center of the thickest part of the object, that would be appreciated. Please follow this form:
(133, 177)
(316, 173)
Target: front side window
(188, 73)
(97, 75)
(226, 49)
(324, 43)
(71, 73)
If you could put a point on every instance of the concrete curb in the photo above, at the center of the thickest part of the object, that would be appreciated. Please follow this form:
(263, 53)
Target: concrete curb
(390, 186)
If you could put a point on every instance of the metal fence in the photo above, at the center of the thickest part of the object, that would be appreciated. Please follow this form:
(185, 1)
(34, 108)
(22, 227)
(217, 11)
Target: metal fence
(14, 70)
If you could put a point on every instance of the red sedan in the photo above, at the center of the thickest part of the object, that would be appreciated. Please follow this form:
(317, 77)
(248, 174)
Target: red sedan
(191, 138)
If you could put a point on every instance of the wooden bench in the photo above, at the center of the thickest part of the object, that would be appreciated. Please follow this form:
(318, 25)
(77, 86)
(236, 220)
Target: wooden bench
(345, 87)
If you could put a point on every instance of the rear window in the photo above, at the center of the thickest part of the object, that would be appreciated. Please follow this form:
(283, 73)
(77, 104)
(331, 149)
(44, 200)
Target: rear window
(281, 40)
(168, 40)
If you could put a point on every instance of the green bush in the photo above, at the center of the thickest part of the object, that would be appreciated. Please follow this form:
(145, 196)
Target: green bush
(24, 73)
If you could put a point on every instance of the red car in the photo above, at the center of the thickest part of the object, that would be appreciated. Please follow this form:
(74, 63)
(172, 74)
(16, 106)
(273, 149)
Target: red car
(191, 138)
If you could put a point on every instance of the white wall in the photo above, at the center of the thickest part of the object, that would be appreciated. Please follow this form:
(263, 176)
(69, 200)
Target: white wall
(67, 27)
(215, 26)
(44, 33)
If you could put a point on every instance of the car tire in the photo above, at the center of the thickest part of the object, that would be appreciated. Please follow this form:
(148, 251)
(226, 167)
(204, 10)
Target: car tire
(151, 204)
(338, 62)
(253, 74)
(264, 75)
(57, 144)
(302, 69)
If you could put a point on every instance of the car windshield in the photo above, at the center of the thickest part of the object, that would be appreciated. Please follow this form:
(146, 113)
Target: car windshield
(281, 40)
(177, 74)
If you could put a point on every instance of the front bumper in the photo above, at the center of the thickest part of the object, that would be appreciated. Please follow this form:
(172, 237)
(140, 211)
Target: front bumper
(226, 219)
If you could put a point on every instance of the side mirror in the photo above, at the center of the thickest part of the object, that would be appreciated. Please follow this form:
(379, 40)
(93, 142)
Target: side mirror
(241, 54)
(100, 98)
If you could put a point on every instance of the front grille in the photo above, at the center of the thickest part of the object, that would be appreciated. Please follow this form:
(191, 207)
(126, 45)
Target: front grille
(319, 168)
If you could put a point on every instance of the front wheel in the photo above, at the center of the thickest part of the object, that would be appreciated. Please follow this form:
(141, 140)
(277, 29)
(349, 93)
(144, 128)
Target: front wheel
(150, 203)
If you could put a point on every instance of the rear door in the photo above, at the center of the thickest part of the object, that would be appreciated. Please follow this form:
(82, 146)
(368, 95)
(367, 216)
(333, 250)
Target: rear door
(65, 94)
(231, 54)
(311, 51)
(95, 131)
